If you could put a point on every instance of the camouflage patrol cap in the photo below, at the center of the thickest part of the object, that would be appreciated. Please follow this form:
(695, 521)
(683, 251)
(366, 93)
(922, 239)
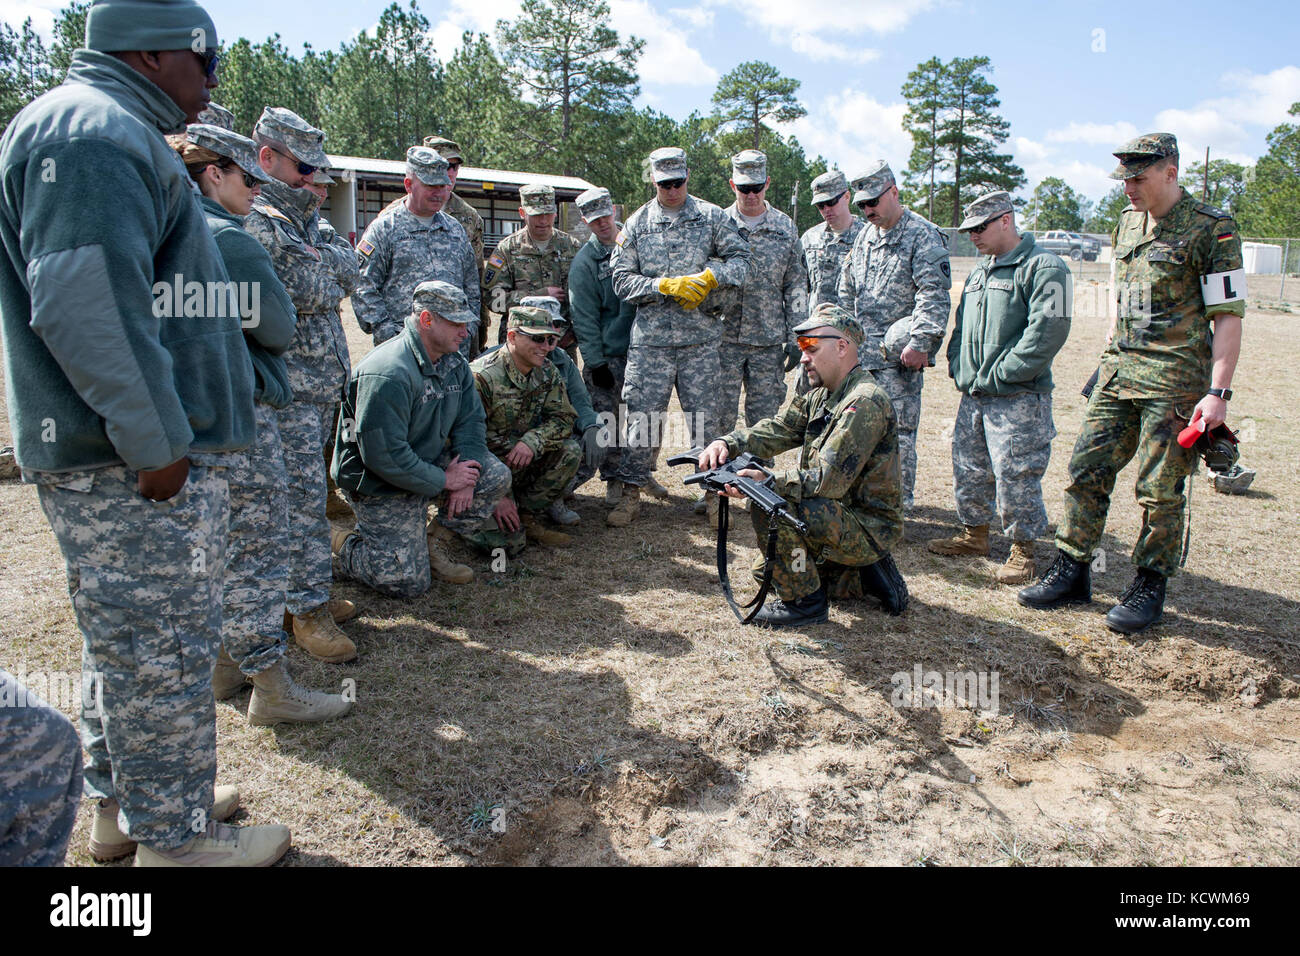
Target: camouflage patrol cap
(228, 143)
(216, 115)
(444, 147)
(427, 166)
(547, 302)
(749, 168)
(986, 208)
(322, 178)
(537, 200)
(897, 337)
(829, 186)
(287, 129)
(444, 299)
(525, 318)
(830, 314)
(594, 203)
(668, 163)
(1137, 155)
(873, 182)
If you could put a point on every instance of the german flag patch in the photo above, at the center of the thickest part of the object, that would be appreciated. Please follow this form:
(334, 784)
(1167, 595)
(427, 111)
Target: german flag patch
(1224, 237)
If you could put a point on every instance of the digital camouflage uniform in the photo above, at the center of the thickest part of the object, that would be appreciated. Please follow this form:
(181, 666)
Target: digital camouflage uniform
(1154, 371)
(533, 409)
(756, 329)
(40, 778)
(398, 252)
(1013, 318)
(88, 353)
(670, 345)
(846, 486)
(888, 276)
(408, 416)
(472, 222)
(824, 252)
(317, 277)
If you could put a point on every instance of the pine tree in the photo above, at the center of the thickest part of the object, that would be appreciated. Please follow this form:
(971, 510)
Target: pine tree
(754, 92)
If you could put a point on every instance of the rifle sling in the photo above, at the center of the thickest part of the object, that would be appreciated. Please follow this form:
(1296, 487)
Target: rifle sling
(756, 603)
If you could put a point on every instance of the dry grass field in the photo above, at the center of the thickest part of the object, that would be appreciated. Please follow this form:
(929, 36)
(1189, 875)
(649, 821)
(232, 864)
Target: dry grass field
(599, 704)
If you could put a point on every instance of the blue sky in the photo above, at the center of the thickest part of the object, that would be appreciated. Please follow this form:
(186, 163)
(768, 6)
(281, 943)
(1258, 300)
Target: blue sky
(1075, 79)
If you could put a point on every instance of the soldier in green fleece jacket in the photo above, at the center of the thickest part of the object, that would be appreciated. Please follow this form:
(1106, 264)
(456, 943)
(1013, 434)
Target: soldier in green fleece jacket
(128, 402)
(224, 165)
(411, 431)
(1013, 318)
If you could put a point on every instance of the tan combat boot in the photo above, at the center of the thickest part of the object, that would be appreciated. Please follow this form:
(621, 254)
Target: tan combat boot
(341, 609)
(318, 635)
(628, 507)
(442, 567)
(1020, 564)
(277, 697)
(974, 539)
(227, 678)
(654, 489)
(613, 492)
(711, 508)
(534, 530)
(108, 842)
(222, 845)
(337, 537)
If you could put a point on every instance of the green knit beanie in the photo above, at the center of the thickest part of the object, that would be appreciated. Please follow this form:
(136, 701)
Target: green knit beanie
(116, 25)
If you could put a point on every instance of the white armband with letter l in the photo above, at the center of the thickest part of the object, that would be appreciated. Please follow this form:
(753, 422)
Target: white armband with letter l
(1220, 287)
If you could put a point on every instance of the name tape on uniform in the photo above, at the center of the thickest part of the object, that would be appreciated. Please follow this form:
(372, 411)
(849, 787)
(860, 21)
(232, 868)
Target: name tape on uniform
(1220, 287)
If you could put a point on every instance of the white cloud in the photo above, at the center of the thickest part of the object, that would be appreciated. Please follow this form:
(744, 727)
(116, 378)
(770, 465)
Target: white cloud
(695, 16)
(477, 16)
(42, 12)
(1094, 134)
(1027, 151)
(1232, 125)
(668, 59)
(815, 48)
(852, 130)
(830, 16)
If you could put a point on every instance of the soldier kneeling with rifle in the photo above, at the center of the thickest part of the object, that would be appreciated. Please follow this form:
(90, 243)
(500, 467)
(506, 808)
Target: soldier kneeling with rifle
(846, 490)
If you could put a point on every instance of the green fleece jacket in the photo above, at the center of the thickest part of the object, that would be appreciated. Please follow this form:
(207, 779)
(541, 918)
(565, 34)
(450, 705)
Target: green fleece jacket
(601, 321)
(400, 411)
(269, 317)
(100, 226)
(1013, 318)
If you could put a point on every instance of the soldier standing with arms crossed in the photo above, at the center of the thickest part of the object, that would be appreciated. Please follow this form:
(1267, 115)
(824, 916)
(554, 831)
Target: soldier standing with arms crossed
(1178, 269)
(897, 272)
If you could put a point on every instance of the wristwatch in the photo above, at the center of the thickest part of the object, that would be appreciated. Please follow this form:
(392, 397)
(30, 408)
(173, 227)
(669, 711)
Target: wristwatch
(1223, 393)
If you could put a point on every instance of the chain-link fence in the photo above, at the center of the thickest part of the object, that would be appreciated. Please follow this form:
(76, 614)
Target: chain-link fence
(1272, 271)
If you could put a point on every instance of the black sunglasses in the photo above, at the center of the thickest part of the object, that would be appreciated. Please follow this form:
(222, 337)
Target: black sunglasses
(826, 203)
(249, 179)
(540, 337)
(211, 62)
(750, 189)
(871, 203)
(304, 169)
(978, 230)
(671, 184)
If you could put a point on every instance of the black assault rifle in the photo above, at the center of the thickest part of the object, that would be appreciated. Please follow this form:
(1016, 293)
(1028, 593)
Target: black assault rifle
(761, 496)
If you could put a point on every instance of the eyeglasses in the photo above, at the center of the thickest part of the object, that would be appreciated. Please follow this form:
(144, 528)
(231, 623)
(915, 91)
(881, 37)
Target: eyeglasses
(750, 189)
(211, 60)
(827, 203)
(808, 343)
(978, 230)
(671, 184)
(249, 179)
(540, 338)
(871, 203)
(454, 164)
(304, 169)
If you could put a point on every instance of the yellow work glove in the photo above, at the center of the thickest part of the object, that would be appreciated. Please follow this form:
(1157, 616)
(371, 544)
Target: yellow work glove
(696, 287)
(672, 286)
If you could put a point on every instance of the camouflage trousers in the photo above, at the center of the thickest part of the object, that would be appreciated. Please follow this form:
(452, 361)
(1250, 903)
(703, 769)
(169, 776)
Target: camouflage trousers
(605, 401)
(389, 551)
(903, 386)
(652, 373)
(40, 778)
(257, 566)
(1000, 448)
(146, 579)
(835, 536)
(305, 427)
(760, 368)
(544, 479)
(1114, 429)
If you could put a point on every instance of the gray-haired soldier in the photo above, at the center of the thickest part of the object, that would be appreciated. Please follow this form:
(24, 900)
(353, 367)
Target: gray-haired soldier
(897, 271)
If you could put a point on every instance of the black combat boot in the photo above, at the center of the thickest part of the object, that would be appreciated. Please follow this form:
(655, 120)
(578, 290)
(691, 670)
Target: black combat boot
(1067, 581)
(883, 580)
(806, 610)
(1142, 605)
